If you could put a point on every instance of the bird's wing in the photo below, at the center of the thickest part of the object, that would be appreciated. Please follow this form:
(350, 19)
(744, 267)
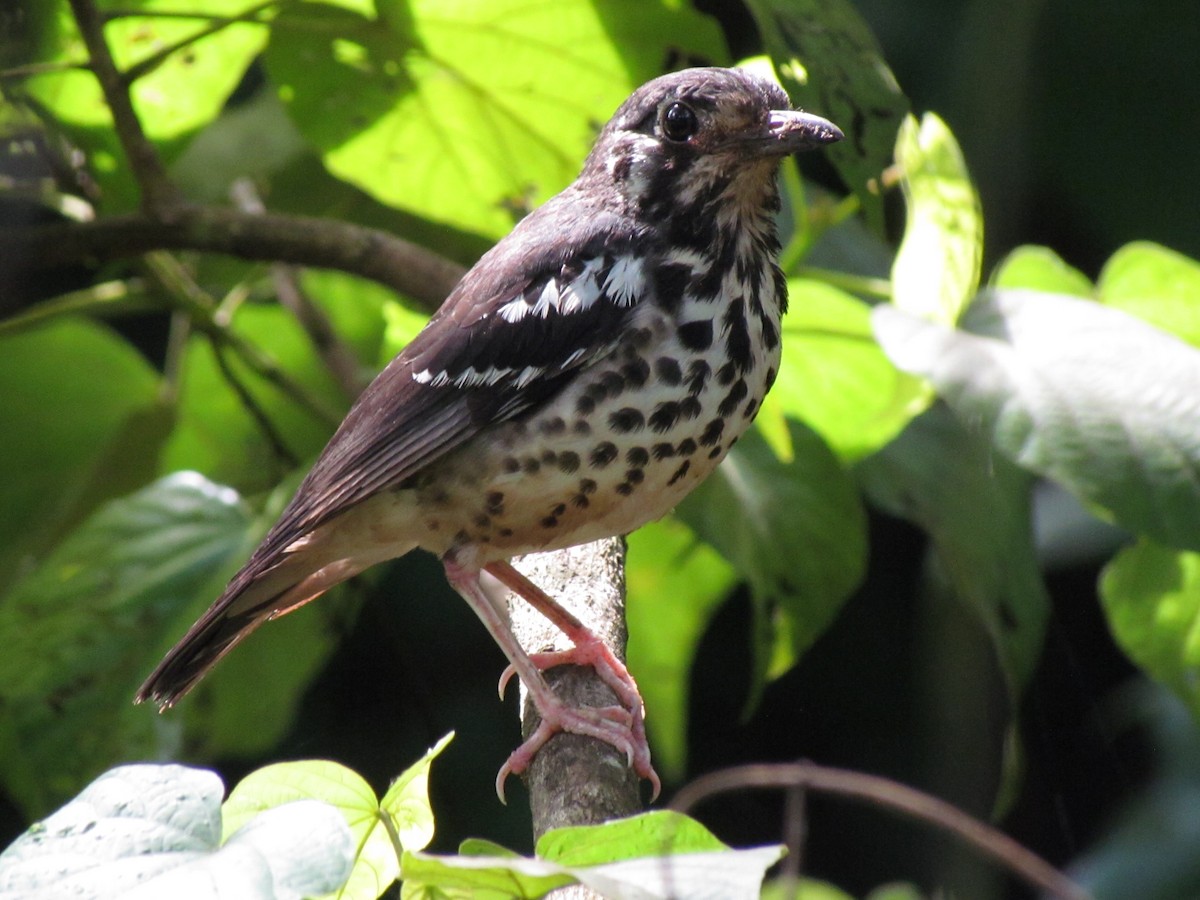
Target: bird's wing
(532, 313)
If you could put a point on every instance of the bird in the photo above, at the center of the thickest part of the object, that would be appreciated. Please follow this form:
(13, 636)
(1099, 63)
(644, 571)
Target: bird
(581, 379)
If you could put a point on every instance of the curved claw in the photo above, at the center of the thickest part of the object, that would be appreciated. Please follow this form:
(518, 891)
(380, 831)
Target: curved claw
(505, 677)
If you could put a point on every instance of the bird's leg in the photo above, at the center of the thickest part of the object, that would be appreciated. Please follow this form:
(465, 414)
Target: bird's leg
(613, 725)
(589, 650)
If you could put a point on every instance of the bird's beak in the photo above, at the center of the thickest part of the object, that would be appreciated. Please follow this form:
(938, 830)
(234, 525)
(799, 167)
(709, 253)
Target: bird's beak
(792, 131)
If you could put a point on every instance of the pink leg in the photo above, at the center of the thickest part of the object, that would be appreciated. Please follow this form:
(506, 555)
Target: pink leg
(621, 727)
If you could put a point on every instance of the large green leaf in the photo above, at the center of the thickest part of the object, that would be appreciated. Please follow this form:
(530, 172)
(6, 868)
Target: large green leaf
(82, 629)
(1151, 595)
(831, 63)
(975, 507)
(81, 423)
(469, 113)
(1087, 395)
(936, 270)
(795, 530)
(673, 577)
(1155, 284)
(834, 376)
(1040, 269)
(184, 92)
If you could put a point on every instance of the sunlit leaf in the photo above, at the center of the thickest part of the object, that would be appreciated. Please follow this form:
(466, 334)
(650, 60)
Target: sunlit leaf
(1040, 269)
(1155, 284)
(1113, 413)
(465, 113)
(936, 270)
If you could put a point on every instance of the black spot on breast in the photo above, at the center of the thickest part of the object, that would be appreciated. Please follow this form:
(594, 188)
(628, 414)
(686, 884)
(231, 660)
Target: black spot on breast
(686, 447)
(727, 373)
(696, 335)
(559, 509)
(736, 395)
(635, 476)
(781, 291)
(714, 452)
(680, 472)
(663, 451)
(737, 334)
(548, 457)
(697, 376)
(712, 432)
(587, 486)
(511, 464)
(549, 522)
(749, 272)
(531, 465)
(504, 532)
(689, 408)
(670, 281)
(494, 502)
(641, 338)
(612, 383)
(580, 501)
(568, 461)
(626, 419)
(637, 456)
(635, 372)
(603, 454)
(668, 371)
(665, 416)
(581, 427)
(750, 410)
(482, 520)
(771, 376)
(770, 336)
(585, 405)
(706, 284)
(624, 488)
(555, 425)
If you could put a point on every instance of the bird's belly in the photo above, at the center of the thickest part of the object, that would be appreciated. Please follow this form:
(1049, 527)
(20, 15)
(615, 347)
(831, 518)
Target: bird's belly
(619, 447)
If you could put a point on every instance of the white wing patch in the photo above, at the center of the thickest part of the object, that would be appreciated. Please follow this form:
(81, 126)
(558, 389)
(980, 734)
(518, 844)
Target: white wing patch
(625, 280)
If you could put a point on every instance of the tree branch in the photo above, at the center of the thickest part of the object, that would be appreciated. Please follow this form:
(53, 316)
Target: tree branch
(888, 794)
(160, 196)
(421, 274)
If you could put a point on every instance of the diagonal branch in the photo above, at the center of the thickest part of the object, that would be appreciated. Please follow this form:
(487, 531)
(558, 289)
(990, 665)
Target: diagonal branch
(159, 194)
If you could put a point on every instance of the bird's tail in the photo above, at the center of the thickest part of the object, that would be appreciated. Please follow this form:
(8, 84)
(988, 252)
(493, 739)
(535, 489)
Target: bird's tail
(254, 596)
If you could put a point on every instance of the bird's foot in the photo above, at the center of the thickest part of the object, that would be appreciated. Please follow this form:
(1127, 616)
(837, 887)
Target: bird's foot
(615, 725)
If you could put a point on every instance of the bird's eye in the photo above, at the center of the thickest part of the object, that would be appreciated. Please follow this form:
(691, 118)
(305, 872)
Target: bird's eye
(679, 122)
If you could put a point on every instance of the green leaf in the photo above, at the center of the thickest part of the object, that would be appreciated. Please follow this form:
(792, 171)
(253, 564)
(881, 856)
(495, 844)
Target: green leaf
(936, 270)
(834, 376)
(655, 855)
(1040, 269)
(82, 629)
(181, 94)
(1125, 436)
(1155, 284)
(802, 889)
(975, 507)
(470, 114)
(671, 577)
(403, 813)
(71, 440)
(146, 831)
(795, 530)
(650, 834)
(1151, 595)
(831, 63)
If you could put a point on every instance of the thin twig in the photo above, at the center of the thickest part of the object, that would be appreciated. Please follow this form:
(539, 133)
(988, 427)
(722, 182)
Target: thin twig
(216, 23)
(884, 792)
(338, 358)
(273, 437)
(408, 268)
(160, 196)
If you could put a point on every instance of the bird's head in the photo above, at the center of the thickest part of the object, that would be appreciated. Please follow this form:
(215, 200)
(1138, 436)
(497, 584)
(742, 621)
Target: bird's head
(693, 135)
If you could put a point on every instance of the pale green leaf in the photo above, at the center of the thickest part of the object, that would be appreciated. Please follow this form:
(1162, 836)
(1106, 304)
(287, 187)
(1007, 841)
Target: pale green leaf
(407, 801)
(1156, 284)
(1112, 413)
(936, 270)
(1040, 269)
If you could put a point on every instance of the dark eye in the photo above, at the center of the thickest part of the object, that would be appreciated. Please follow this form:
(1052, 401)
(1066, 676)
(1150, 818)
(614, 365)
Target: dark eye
(679, 122)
